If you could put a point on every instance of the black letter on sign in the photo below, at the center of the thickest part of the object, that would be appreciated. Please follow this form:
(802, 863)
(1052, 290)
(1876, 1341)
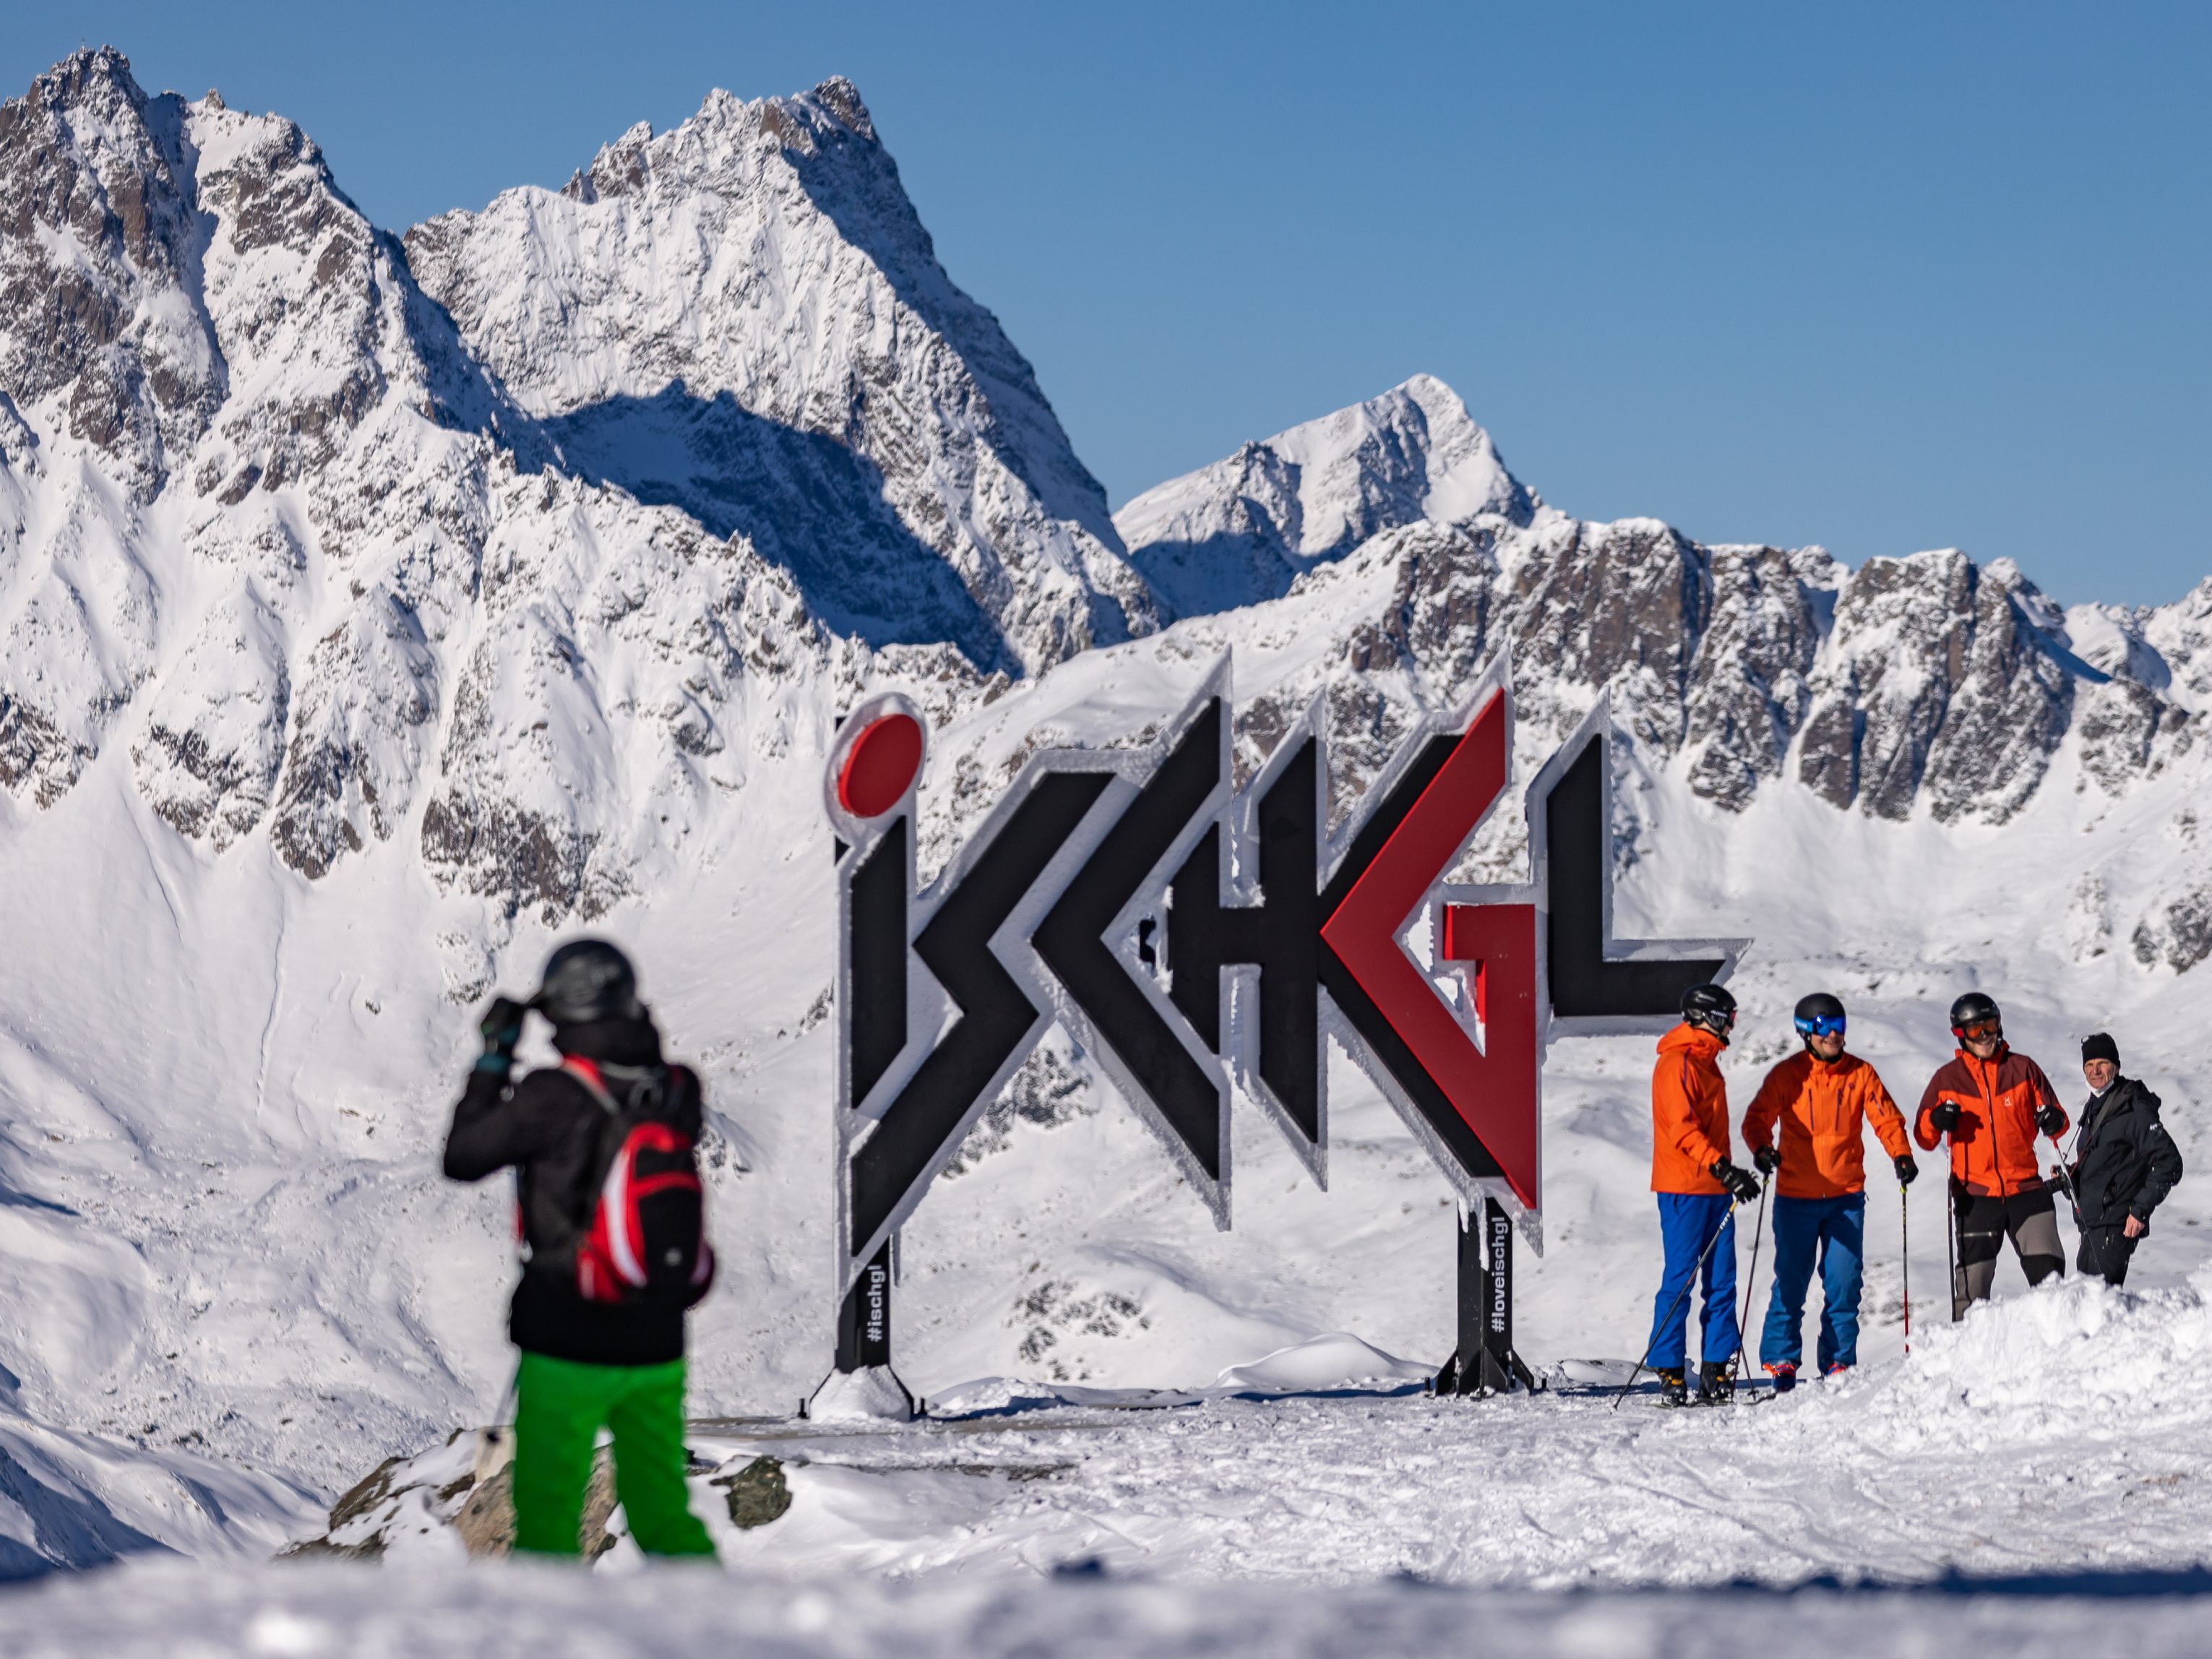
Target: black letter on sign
(1577, 845)
(879, 912)
(995, 1014)
(1280, 936)
(1071, 940)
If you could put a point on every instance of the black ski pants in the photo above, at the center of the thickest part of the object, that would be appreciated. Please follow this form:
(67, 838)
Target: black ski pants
(2106, 1252)
(1984, 1221)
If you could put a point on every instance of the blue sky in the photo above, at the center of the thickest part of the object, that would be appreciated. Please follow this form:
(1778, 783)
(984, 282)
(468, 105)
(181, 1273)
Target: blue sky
(1882, 277)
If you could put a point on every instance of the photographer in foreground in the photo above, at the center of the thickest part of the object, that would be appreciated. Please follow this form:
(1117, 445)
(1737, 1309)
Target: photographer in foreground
(613, 1246)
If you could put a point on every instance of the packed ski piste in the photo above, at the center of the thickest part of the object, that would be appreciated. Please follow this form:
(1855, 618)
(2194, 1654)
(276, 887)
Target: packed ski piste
(479, 1025)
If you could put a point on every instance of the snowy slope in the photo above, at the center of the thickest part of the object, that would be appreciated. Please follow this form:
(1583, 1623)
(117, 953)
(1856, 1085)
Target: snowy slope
(344, 671)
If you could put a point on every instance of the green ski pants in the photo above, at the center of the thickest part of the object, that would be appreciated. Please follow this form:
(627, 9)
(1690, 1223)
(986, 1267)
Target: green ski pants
(559, 1406)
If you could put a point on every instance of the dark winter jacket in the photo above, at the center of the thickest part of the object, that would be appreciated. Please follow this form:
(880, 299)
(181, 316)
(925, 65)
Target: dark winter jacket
(2125, 1161)
(547, 1129)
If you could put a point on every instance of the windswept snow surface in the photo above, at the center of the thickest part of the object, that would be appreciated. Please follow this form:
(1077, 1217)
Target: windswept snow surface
(301, 1612)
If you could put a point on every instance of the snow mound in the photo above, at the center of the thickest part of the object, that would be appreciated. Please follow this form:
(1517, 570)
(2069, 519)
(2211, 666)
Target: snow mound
(2073, 1356)
(869, 1395)
(1333, 1360)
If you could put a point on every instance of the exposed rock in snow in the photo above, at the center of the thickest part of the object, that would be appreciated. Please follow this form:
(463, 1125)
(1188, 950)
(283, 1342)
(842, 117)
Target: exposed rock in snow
(1929, 679)
(99, 268)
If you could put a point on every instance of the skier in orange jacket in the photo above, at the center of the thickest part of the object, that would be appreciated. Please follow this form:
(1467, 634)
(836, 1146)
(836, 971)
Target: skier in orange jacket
(1990, 1103)
(1698, 1188)
(1820, 1099)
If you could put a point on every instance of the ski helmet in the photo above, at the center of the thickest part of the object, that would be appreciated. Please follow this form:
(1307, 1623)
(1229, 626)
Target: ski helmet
(1975, 1008)
(588, 979)
(1710, 1008)
(1819, 1015)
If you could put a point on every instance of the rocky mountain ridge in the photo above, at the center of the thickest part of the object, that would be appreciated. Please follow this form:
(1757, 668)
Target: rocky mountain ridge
(525, 537)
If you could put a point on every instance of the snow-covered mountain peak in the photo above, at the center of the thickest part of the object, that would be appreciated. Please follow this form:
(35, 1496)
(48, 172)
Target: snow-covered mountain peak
(98, 267)
(1244, 528)
(744, 317)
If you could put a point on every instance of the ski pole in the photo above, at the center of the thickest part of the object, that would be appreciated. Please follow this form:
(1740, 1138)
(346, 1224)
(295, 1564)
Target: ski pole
(1904, 1236)
(1951, 1249)
(1696, 1268)
(1750, 1284)
(2073, 1198)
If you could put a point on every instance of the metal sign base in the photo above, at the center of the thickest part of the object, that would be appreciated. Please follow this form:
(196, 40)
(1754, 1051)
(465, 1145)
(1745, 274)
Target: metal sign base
(864, 1339)
(1485, 1362)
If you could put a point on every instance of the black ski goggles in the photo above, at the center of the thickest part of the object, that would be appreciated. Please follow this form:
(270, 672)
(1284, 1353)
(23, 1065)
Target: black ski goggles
(1821, 1025)
(1979, 1031)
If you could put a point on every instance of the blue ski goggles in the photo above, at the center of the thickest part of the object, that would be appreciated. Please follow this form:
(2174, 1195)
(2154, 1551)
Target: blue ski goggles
(1820, 1025)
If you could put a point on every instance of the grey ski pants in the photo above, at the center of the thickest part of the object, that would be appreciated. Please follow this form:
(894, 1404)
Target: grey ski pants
(2032, 1220)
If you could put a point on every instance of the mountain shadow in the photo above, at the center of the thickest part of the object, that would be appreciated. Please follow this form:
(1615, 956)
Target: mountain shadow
(740, 473)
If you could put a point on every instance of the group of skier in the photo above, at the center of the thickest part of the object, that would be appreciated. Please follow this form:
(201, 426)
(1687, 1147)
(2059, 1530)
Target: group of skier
(1805, 1130)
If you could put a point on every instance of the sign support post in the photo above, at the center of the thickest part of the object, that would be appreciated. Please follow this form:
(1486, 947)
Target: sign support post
(1485, 1362)
(864, 1322)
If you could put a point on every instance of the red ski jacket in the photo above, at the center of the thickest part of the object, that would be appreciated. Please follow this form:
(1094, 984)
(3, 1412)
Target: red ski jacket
(1993, 1148)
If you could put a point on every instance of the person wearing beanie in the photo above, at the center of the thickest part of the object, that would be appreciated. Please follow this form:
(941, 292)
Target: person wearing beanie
(2123, 1163)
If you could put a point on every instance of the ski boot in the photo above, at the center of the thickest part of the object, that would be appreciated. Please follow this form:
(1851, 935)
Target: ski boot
(1715, 1386)
(1784, 1375)
(1673, 1389)
(1836, 1373)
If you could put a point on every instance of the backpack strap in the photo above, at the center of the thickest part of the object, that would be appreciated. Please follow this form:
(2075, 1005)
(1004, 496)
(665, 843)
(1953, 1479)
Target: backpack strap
(584, 1072)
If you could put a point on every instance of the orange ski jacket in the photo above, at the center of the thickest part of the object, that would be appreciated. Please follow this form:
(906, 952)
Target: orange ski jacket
(1822, 1106)
(1993, 1148)
(1689, 1113)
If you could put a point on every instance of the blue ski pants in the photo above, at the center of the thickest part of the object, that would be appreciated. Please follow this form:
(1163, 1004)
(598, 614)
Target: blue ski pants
(1832, 1231)
(1687, 1223)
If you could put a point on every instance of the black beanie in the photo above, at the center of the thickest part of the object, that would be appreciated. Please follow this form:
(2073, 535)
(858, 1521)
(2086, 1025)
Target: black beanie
(2098, 1046)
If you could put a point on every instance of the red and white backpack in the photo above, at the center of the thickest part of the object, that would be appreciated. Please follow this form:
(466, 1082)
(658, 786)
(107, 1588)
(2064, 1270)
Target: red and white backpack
(645, 1235)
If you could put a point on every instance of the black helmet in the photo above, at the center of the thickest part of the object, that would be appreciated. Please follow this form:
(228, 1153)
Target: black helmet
(1818, 1014)
(588, 979)
(1972, 1009)
(1710, 1008)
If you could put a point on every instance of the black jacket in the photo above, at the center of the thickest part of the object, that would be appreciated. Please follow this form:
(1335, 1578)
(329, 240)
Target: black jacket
(2125, 1161)
(547, 1129)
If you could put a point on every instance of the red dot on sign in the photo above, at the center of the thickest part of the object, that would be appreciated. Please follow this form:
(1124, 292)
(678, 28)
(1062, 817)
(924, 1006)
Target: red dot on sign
(880, 766)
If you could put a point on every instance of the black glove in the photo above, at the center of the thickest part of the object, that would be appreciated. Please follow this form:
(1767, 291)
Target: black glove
(501, 1026)
(1907, 1170)
(1945, 1118)
(1767, 1159)
(2051, 1120)
(1742, 1185)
